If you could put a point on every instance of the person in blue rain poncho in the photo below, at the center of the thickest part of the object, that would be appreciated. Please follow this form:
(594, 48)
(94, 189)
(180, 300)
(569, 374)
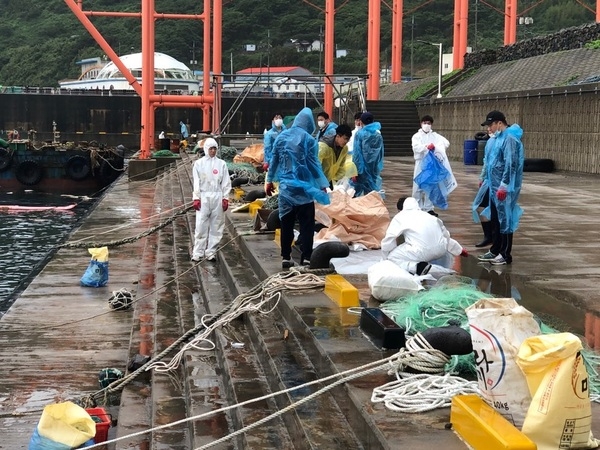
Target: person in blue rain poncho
(367, 156)
(502, 179)
(270, 136)
(326, 126)
(184, 130)
(295, 165)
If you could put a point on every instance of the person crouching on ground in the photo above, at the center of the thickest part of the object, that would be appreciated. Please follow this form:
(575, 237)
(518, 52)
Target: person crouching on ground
(211, 189)
(295, 164)
(425, 239)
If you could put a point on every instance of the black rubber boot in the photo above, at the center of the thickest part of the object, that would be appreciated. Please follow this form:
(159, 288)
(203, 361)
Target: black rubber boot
(487, 234)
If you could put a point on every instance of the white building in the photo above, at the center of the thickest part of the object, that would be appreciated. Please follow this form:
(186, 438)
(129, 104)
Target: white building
(170, 75)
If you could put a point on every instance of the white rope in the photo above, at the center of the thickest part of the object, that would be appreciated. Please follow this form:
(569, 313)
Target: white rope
(347, 375)
(412, 393)
(422, 392)
(261, 301)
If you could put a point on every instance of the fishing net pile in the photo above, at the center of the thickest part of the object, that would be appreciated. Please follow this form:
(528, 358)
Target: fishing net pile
(444, 304)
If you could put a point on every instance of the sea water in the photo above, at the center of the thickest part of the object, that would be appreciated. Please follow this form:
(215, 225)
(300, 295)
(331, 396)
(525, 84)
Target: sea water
(28, 239)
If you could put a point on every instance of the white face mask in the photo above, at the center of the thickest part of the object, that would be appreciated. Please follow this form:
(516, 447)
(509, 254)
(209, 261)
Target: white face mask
(321, 123)
(278, 122)
(426, 127)
(496, 133)
(358, 127)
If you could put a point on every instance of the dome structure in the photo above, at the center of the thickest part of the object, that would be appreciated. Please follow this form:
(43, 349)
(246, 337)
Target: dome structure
(169, 75)
(164, 67)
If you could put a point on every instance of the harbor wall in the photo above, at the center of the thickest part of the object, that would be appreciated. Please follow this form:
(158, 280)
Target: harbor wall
(562, 124)
(115, 119)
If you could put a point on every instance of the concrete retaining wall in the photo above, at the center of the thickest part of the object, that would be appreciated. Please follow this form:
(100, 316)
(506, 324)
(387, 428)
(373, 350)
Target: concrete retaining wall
(562, 124)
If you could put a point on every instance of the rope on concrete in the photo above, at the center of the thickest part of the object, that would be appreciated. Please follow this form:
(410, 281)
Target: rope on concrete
(420, 392)
(128, 240)
(254, 300)
(261, 299)
(348, 375)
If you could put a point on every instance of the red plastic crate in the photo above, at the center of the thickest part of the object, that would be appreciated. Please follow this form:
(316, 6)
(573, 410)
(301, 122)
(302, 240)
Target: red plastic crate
(102, 426)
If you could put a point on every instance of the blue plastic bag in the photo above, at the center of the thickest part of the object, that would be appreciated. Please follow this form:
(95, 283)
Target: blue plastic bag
(96, 274)
(38, 442)
(431, 180)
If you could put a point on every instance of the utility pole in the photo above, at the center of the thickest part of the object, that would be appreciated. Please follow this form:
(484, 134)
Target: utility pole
(268, 60)
(412, 45)
(320, 54)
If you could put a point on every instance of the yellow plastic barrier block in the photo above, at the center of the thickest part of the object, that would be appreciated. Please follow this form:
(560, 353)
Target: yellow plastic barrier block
(238, 194)
(255, 206)
(277, 237)
(484, 428)
(341, 291)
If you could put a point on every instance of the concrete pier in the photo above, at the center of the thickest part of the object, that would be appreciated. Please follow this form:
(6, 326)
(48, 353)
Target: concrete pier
(59, 335)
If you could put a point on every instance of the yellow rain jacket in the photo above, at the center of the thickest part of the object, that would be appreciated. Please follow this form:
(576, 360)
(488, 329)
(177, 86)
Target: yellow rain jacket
(334, 165)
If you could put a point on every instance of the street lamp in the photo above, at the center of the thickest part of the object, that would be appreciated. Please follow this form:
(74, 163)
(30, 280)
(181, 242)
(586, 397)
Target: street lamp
(439, 45)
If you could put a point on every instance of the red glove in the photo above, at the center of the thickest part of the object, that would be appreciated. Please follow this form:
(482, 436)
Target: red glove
(354, 179)
(501, 194)
(270, 189)
(197, 204)
(480, 183)
(225, 204)
(431, 147)
(265, 166)
(464, 253)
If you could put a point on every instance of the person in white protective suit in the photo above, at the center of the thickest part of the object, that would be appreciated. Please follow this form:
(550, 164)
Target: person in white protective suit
(211, 189)
(424, 141)
(425, 239)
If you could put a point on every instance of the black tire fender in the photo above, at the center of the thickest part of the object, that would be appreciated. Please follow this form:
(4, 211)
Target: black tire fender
(321, 256)
(451, 340)
(273, 221)
(538, 165)
(236, 182)
(5, 159)
(78, 167)
(481, 136)
(253, 195)
(29, 172)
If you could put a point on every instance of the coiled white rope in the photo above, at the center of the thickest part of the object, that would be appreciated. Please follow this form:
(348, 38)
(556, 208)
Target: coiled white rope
(413, 393)
(262, 301)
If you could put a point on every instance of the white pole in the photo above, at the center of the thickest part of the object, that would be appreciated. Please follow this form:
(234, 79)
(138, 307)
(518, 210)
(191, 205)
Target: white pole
(440, 74)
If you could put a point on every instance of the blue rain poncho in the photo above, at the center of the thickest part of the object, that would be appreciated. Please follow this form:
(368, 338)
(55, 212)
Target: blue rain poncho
(295, 165)
(431, 180)
(269, 140)
(184, 130)
(503, 168)
(367, 156)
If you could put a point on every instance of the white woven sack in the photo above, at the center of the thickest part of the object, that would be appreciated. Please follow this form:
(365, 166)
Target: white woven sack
(498, 327)
(388, 281)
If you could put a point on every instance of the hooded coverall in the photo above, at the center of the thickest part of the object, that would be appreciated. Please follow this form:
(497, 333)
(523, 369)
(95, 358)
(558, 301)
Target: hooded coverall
(211, 186)
(425, 238)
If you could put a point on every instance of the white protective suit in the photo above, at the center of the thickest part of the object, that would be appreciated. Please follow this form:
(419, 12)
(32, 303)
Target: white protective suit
(425, 238)
(211, 186)
(420, 141)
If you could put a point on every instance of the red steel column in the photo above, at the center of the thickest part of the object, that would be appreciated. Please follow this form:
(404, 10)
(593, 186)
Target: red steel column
(463, 30)
(597, 10)
(206, 124)
(456, 35)
(397, 16)
(147, 121)
(329, 54)
(374, 48)
(217, 59)
(510, 22)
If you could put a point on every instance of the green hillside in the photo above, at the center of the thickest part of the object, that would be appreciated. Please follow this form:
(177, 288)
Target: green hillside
(41, 40)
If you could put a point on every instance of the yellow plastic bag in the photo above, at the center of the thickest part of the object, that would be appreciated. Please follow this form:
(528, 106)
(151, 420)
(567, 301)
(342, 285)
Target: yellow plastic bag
(99, 254)
(66, 423)
(560, 413)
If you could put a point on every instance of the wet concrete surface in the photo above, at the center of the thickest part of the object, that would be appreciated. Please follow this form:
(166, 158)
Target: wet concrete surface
(58, 335)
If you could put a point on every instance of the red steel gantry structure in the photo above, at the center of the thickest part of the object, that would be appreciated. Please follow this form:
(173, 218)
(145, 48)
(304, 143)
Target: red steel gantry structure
(206, 101)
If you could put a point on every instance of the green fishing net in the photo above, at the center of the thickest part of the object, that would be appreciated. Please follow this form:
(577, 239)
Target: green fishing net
(271, 202)
(245, 170)
(439, 306)
(162, 153)
(226, 153)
